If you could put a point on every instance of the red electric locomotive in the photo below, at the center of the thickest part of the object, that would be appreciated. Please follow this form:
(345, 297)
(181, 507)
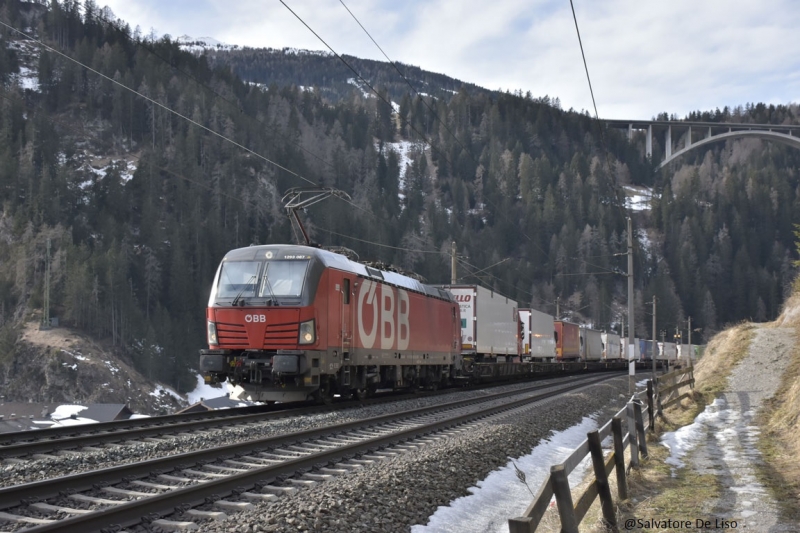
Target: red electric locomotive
(289, 323)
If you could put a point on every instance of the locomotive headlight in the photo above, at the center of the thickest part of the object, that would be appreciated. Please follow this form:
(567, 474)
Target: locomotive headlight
(307, 332)
(212, 333)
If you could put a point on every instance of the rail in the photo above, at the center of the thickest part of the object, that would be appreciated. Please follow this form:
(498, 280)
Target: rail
(570, 512)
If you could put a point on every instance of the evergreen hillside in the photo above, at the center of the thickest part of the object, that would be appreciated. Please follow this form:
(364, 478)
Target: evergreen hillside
(142, 194)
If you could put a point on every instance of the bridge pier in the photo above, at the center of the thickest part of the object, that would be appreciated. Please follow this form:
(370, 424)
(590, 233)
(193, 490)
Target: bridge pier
(668, 142)
(649, 144)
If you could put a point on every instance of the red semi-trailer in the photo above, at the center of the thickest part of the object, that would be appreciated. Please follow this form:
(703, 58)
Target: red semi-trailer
(567, 341)
(288, 323)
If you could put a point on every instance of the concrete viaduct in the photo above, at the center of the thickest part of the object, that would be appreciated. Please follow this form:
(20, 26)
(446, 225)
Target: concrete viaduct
(680, 136)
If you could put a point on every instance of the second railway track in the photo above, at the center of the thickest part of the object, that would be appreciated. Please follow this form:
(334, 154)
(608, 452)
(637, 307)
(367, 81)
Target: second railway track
(256, 470)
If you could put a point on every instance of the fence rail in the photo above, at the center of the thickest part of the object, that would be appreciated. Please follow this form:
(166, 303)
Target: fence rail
(557, 482)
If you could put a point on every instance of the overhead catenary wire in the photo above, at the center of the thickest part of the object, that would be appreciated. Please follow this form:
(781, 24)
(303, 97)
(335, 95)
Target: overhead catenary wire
(217, 94)
(180, 115)
(381, 97)
(426, 104)
(244, 201)
(159, 104)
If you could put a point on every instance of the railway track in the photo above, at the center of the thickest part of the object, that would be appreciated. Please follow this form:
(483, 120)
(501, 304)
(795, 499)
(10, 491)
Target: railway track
(205, 484)
(23, 444)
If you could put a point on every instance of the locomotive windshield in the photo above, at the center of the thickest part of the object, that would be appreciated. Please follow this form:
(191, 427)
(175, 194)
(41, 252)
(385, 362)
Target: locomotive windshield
(283, 278)
(265, 279)
(238, 278)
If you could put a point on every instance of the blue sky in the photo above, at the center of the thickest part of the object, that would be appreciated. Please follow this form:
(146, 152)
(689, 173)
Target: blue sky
(644, 56)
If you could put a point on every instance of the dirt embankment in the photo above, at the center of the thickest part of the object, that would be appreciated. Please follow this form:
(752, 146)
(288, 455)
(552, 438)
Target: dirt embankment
(744, 464)
(61, 366)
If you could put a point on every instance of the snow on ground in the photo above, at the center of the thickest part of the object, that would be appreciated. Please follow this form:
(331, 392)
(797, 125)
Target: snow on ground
(403, 150)
(67, 415)
(726, 427)
(638, 198)
(28, 78)
(357, 84)
(501, 495)
(28, 53)
(161, 389)
(200, 44)
(205, 392)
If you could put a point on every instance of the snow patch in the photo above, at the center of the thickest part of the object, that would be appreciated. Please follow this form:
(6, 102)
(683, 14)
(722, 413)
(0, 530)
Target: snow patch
(201, 44)
(501, 495)
(638, 198)
(403, 149)
(204, 392)
(161, 390)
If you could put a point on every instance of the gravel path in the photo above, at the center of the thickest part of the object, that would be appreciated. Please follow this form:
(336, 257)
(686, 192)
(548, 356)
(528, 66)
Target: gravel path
(727, 445)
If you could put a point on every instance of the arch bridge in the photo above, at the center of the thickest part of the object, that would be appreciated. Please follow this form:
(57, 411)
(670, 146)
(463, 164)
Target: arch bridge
(682, 136)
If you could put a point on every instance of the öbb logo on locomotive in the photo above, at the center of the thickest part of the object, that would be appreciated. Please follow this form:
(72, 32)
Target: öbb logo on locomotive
(255, 318)
(380, 316)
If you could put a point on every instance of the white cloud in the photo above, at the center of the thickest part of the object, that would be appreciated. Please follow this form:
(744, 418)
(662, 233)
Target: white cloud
(643, 57)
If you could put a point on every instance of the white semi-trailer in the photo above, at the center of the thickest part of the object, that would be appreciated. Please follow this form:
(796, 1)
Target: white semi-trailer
(489, 323)
(538, 341)
(591, 344)
(612, 350)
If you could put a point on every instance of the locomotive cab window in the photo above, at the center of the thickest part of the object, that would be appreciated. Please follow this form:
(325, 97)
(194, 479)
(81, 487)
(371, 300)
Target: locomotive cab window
(283, 278)
(238, 278)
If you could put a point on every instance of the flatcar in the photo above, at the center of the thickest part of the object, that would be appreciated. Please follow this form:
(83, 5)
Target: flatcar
(290, 323)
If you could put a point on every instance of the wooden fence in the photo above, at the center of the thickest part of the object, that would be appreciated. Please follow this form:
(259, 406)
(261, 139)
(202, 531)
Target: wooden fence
(557, 484)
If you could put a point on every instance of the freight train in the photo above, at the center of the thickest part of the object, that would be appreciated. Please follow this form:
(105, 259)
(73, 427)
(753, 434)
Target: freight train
(291, 323)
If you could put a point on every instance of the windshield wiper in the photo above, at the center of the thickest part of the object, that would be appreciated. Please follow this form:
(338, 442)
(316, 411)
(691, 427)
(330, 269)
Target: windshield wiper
(273, 299)
(238, 296)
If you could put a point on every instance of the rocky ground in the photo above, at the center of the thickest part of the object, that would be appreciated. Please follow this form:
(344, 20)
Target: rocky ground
(60, 366)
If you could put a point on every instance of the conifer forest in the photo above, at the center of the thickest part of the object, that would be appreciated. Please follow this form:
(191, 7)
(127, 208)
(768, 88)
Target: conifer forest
(143, 162)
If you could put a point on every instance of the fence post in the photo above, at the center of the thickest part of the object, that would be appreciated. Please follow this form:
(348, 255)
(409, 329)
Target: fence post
(603, 490)
(637, 413)
(632, 435)
(520, 525)
(566, 509)
(650, 412)
(660, 409)
(619, 458)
